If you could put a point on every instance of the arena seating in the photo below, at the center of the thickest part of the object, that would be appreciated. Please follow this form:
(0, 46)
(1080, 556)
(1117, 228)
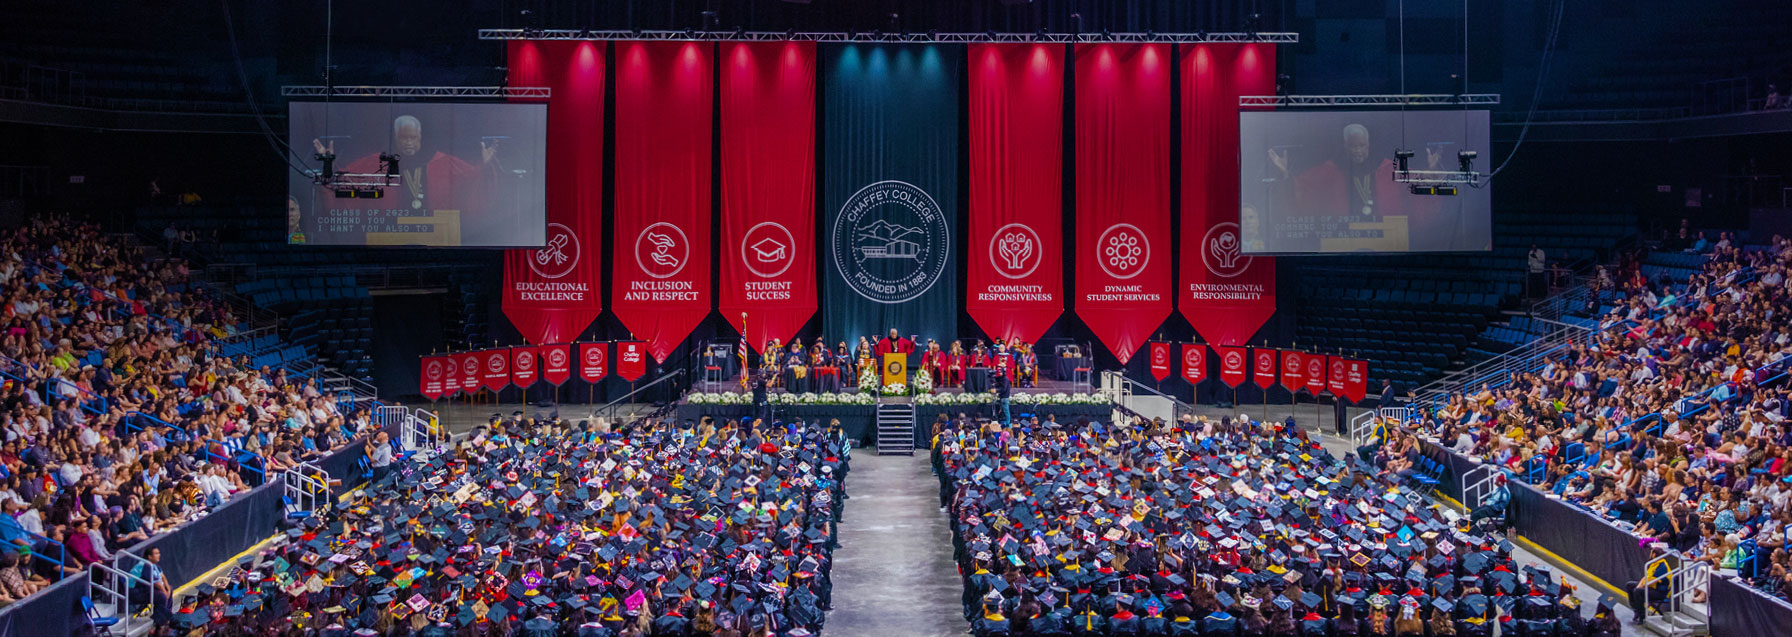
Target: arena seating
(1415, 317)
(1669, 417)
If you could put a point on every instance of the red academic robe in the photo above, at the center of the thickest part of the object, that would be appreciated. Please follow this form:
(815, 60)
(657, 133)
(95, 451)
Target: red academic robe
(449, 183)
(898, 346)
(1324, 189)
(954, 364)
(934, 363)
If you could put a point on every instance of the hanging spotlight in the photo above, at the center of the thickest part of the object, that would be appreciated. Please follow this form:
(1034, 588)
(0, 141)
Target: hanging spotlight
(1466, 159)
(1401, 156)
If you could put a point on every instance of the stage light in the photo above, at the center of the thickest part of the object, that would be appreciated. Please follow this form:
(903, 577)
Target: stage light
(933, 35)
(1400, 159)
(1424, 190)
(1467, 160)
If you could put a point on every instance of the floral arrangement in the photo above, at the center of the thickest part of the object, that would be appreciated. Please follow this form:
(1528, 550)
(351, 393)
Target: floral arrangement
(895, 389)
(805, 398)
(868, 380)
(923, 382)
(1019, 399)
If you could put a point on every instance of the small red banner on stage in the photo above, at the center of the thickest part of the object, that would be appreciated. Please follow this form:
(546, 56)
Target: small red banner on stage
(1294, 371)
(1234, 365)
(1356, 379)
(1263, 367)
(523, 368)
(556, 363)
(1194, 363)
(1160, 361)
(469, 372)
(497, 368)
(1315, 373)
(434, 377)
(450, 375)
(1334, 375)
(594, 361)
(631, 360)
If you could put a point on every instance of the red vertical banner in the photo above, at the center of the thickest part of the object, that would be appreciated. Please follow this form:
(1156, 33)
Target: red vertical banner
(1235, 365)
(470, 366)
(1334, 376)
(1014, 262)
(594, 361)
(524, 367)
(1160, 361)
(631, 360)
(553, 292)
(768, 187)
(433, 377)
(1294, 371)
(1123, 191)
(450, 375)
(1315, 373)
(664, 119)
(1356, 379)
(1263, 367)
(496, 373)
(1194, 363)
(556, 364)
(1226, 295)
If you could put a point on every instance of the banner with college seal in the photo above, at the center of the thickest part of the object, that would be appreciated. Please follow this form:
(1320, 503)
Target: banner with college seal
(1014, 260)
(664, 121)
(1294, 371)
(556, 364)
(552, 293)
(1160, 361)
(1194, 363)
(1234, 365)
(470, 367)
(1225, 294)
(890, 190)
(497, 368)
(594, 361)
(431, 381)
(524, 367)
(1263, 367)
(1122, 192)
(768, 188)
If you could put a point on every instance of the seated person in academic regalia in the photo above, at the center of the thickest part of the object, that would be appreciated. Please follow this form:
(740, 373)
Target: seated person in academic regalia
(979, 356)
(955, 362)
(796, 369)
(843, 360)
(1029, 365)
(772, 362)
(933, 360)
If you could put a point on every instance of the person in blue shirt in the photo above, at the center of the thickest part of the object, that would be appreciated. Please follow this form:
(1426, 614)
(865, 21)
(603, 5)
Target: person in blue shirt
(1493, 504)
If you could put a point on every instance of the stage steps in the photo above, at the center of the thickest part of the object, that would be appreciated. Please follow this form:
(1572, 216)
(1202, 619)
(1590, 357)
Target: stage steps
(895, 428)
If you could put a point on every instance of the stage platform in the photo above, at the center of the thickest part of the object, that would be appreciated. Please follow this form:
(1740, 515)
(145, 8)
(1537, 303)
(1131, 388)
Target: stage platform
(1045, 385)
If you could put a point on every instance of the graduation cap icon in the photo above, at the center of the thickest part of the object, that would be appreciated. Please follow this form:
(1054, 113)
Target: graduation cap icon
(769, 250)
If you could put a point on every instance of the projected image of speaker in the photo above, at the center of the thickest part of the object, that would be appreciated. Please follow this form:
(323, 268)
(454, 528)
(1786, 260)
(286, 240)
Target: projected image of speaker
(420, 174)
(1362, 181)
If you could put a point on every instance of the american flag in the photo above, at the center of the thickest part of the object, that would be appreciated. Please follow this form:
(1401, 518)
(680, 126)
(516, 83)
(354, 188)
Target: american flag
(743, 351)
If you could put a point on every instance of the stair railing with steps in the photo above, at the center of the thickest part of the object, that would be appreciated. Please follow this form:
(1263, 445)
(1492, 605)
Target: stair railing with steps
(305, 489)
(1477, 483)
(895, 428)
(110, 589)
(1362, 426)
(1679, 617)
(1124, 391)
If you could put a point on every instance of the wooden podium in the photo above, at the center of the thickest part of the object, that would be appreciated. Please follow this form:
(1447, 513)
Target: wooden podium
(895, 368)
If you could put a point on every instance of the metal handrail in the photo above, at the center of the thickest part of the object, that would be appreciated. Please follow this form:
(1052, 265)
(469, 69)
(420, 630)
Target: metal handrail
(612, 405)
(1178, 408)
(1683, 581)
(120, 597)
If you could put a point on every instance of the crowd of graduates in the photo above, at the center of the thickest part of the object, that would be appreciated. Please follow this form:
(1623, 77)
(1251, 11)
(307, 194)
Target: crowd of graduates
(1672, 420)
(121, 419)
(547, 528)
(1219, 528)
